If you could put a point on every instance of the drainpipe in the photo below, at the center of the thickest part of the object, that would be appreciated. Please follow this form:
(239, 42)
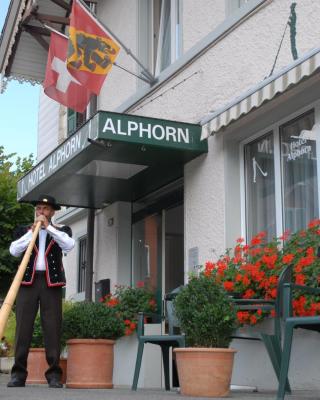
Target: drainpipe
(90, 243)
(91, 109)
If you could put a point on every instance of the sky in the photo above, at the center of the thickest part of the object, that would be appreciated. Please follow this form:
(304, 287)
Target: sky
(18, 111)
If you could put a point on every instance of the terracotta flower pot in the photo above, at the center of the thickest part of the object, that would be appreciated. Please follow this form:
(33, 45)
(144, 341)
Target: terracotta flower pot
(37, 366)
(204, 372)
(90, 363)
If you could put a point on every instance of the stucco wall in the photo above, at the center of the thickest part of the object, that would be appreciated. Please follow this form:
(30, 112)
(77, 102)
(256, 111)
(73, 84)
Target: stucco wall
(112, 246)
(199, 19)
(48, 126)
(121, 17)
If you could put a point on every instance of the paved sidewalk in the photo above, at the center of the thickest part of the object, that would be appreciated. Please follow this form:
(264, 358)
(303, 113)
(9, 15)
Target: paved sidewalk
(42, 392)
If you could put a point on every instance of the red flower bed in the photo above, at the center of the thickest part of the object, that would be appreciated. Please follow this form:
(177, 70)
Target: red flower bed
(252, 270)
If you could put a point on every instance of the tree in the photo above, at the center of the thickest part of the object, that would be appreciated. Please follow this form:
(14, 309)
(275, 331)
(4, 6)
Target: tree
(12, 213)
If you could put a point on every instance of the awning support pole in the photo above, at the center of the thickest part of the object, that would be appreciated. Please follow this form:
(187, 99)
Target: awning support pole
(90, 243)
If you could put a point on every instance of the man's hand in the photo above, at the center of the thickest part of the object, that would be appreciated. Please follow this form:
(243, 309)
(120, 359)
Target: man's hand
(44, 222)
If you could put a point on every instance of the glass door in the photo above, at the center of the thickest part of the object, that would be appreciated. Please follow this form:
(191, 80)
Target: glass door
(157, 243)
(147, 254)
(174, 260)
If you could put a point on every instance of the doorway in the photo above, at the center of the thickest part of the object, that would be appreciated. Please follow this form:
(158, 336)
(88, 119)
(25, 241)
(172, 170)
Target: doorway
(158, 242)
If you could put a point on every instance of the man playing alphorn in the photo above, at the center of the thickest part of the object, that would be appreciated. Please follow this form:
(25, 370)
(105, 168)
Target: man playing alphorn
(41, 286)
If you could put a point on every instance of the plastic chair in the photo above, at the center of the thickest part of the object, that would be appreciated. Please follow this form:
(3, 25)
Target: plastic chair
(290, 322)
(164, 341)
(271, 341)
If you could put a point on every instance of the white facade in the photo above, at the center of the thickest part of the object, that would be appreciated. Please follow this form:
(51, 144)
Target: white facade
(225, 51)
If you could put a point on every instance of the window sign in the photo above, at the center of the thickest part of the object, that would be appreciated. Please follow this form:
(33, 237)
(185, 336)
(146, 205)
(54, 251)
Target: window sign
(299, 172)
(260, 186)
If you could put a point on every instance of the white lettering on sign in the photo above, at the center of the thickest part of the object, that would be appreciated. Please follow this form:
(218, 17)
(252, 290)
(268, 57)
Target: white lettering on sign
(36, 175)
(298, 148)
(142, 130)
(53, 162)
(158, 132)
(65, 152)
(132, 126)
(147, 131)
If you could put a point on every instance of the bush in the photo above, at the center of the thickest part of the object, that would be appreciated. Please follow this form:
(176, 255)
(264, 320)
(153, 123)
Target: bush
(205, 312)
(84, 320)
(37, 337)
(129, 301)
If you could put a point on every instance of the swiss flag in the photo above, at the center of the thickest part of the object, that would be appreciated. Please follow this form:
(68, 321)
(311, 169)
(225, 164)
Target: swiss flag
(59, 84)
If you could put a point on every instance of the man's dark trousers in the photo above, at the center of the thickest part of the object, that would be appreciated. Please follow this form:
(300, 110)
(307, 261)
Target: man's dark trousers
(27, 305)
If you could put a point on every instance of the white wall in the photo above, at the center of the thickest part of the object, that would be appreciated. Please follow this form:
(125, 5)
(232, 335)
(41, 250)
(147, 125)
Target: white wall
(112, 245)
(199, 19)
(48, 126)
(121, 17)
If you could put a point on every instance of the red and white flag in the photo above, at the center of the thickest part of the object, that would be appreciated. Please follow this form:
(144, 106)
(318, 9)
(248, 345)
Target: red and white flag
(91, 51)
(59, 84)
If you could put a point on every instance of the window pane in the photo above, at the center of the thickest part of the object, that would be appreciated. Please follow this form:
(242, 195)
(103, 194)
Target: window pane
(299, 172)
(146, 253)
(165, 40)
(234, 5)
(260, 192)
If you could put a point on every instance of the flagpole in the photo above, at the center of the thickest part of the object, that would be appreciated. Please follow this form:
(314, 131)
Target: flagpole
(131, 73)
(151, 79)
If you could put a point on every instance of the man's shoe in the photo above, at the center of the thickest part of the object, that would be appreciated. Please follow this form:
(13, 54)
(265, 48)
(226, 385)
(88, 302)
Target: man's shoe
(55, 383)
(15, 382)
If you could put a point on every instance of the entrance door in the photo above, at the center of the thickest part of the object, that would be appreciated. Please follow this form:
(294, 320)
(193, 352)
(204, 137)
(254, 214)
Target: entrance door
(174, 264)
(157, 244)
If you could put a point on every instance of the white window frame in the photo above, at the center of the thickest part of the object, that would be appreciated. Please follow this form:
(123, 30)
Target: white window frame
(275, 128)
(233, 6)
(175, 34)
(150, 52)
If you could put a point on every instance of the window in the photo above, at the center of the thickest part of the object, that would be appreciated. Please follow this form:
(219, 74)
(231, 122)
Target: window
(160, 35)
(283, 158)
(82, 264)
(299, 172)
(75, 120)
(260, 186)
(234, 5)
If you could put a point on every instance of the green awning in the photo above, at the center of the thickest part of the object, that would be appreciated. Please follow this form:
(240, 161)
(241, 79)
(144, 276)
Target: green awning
(114, 157)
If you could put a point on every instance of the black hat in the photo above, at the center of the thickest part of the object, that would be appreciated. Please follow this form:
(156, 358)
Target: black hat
(45, 199)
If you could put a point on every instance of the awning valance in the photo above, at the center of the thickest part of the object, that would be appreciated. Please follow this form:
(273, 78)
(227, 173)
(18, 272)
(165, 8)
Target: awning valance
(114, 157)
(24, 41)
(264, 91)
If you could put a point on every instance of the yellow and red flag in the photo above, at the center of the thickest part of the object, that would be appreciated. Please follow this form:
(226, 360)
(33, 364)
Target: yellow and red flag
(91, 51)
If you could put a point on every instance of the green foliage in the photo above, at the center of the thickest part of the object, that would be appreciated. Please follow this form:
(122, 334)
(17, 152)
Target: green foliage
(12, 213)
(7, 346)
(86, 320)
(37, 337)
(129, 301)
(205, 312)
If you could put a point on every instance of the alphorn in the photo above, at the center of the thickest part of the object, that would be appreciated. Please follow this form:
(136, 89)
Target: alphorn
(14, 288)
